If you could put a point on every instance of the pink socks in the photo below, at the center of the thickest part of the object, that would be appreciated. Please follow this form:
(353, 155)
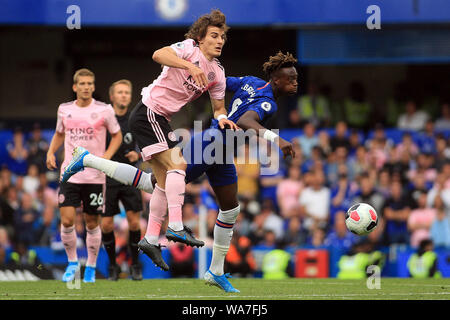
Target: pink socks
(93, 243)
(175, 189)
(158, 210)
(69, 239)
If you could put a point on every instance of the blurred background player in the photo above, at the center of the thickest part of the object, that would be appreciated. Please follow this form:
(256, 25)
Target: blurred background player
(83, 122)
(182, 80)
(424, 263)
(120, 94)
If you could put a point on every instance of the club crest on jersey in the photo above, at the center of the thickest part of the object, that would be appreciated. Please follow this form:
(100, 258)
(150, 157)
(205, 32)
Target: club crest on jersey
(172, 136)
(266, 106)
(211, 76)
(94, 116)
(128, 138)
(179, 45)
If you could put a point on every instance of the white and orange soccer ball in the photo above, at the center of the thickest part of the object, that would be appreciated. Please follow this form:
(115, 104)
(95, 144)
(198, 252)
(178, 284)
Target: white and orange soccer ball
(361, 219)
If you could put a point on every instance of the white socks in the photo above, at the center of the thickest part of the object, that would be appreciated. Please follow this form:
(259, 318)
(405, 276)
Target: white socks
(122, 172)
(223, 232)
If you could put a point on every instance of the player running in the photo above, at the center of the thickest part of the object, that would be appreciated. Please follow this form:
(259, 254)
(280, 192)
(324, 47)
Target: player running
(83, 123)
(254, 103)
(190, 69)
(120, 95)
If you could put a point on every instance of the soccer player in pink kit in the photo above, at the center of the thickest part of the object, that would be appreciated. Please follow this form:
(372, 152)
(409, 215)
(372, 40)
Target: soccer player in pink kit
(83, 122)
(190, 69)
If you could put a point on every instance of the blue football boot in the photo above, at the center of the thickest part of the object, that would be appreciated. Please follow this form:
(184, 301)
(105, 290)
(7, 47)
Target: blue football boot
(76, 164)
(71, 270)
(220, 281)
(89, 275)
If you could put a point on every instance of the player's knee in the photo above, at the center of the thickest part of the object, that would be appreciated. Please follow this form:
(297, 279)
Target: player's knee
(173, 160)
(107, 225)
(229, 204)
(66, 222)
(182, 166)
(92, 222)
(91, 225)
(133, 219)
(177, 171)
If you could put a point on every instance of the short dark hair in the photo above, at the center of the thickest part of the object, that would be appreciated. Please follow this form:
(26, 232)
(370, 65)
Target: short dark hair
(277, 62)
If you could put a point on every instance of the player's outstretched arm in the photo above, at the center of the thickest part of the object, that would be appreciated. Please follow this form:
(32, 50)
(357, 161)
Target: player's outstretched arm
(220, 113)
(250, 120)
(168, 57)
(57, 141)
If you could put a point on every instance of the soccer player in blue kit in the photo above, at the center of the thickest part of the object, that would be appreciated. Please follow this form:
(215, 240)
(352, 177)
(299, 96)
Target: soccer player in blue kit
(252, 104)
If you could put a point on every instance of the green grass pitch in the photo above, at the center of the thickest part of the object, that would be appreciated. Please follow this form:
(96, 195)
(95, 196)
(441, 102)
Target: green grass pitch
(251, 289)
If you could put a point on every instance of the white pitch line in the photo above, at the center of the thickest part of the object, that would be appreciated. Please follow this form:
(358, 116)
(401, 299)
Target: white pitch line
(241, 296)
(37, 294)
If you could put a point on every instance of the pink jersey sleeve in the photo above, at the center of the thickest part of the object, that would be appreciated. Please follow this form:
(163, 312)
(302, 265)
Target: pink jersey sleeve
(184, 49)
(111, 121)
(217, 90)
(59, 121)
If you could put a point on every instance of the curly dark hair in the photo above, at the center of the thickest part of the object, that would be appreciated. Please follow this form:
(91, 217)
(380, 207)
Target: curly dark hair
(198, 29)
(277, 62)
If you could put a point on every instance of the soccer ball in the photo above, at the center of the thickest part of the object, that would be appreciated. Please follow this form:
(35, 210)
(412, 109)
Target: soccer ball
(361, 219)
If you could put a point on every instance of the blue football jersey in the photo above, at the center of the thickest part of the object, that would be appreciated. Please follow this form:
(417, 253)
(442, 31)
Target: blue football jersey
(250, 93)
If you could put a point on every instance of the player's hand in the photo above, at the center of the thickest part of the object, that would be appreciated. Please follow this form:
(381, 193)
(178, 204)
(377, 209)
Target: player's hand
(132, 156)
(198, 75)
(286, 148)
(226, 123)
(51, 161)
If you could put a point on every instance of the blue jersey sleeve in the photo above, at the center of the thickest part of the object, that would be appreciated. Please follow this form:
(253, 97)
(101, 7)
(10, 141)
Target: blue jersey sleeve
(264, 108)
(233, 83)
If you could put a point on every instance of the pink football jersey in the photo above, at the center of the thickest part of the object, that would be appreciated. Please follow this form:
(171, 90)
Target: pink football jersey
(86, 127)
(175, 87)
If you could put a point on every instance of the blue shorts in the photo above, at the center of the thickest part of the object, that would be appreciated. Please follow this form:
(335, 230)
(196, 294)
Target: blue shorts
(196, 154)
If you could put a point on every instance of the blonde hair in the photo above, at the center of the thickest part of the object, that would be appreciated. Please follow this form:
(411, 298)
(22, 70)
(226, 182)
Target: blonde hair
(84, 73)
(122, 81)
